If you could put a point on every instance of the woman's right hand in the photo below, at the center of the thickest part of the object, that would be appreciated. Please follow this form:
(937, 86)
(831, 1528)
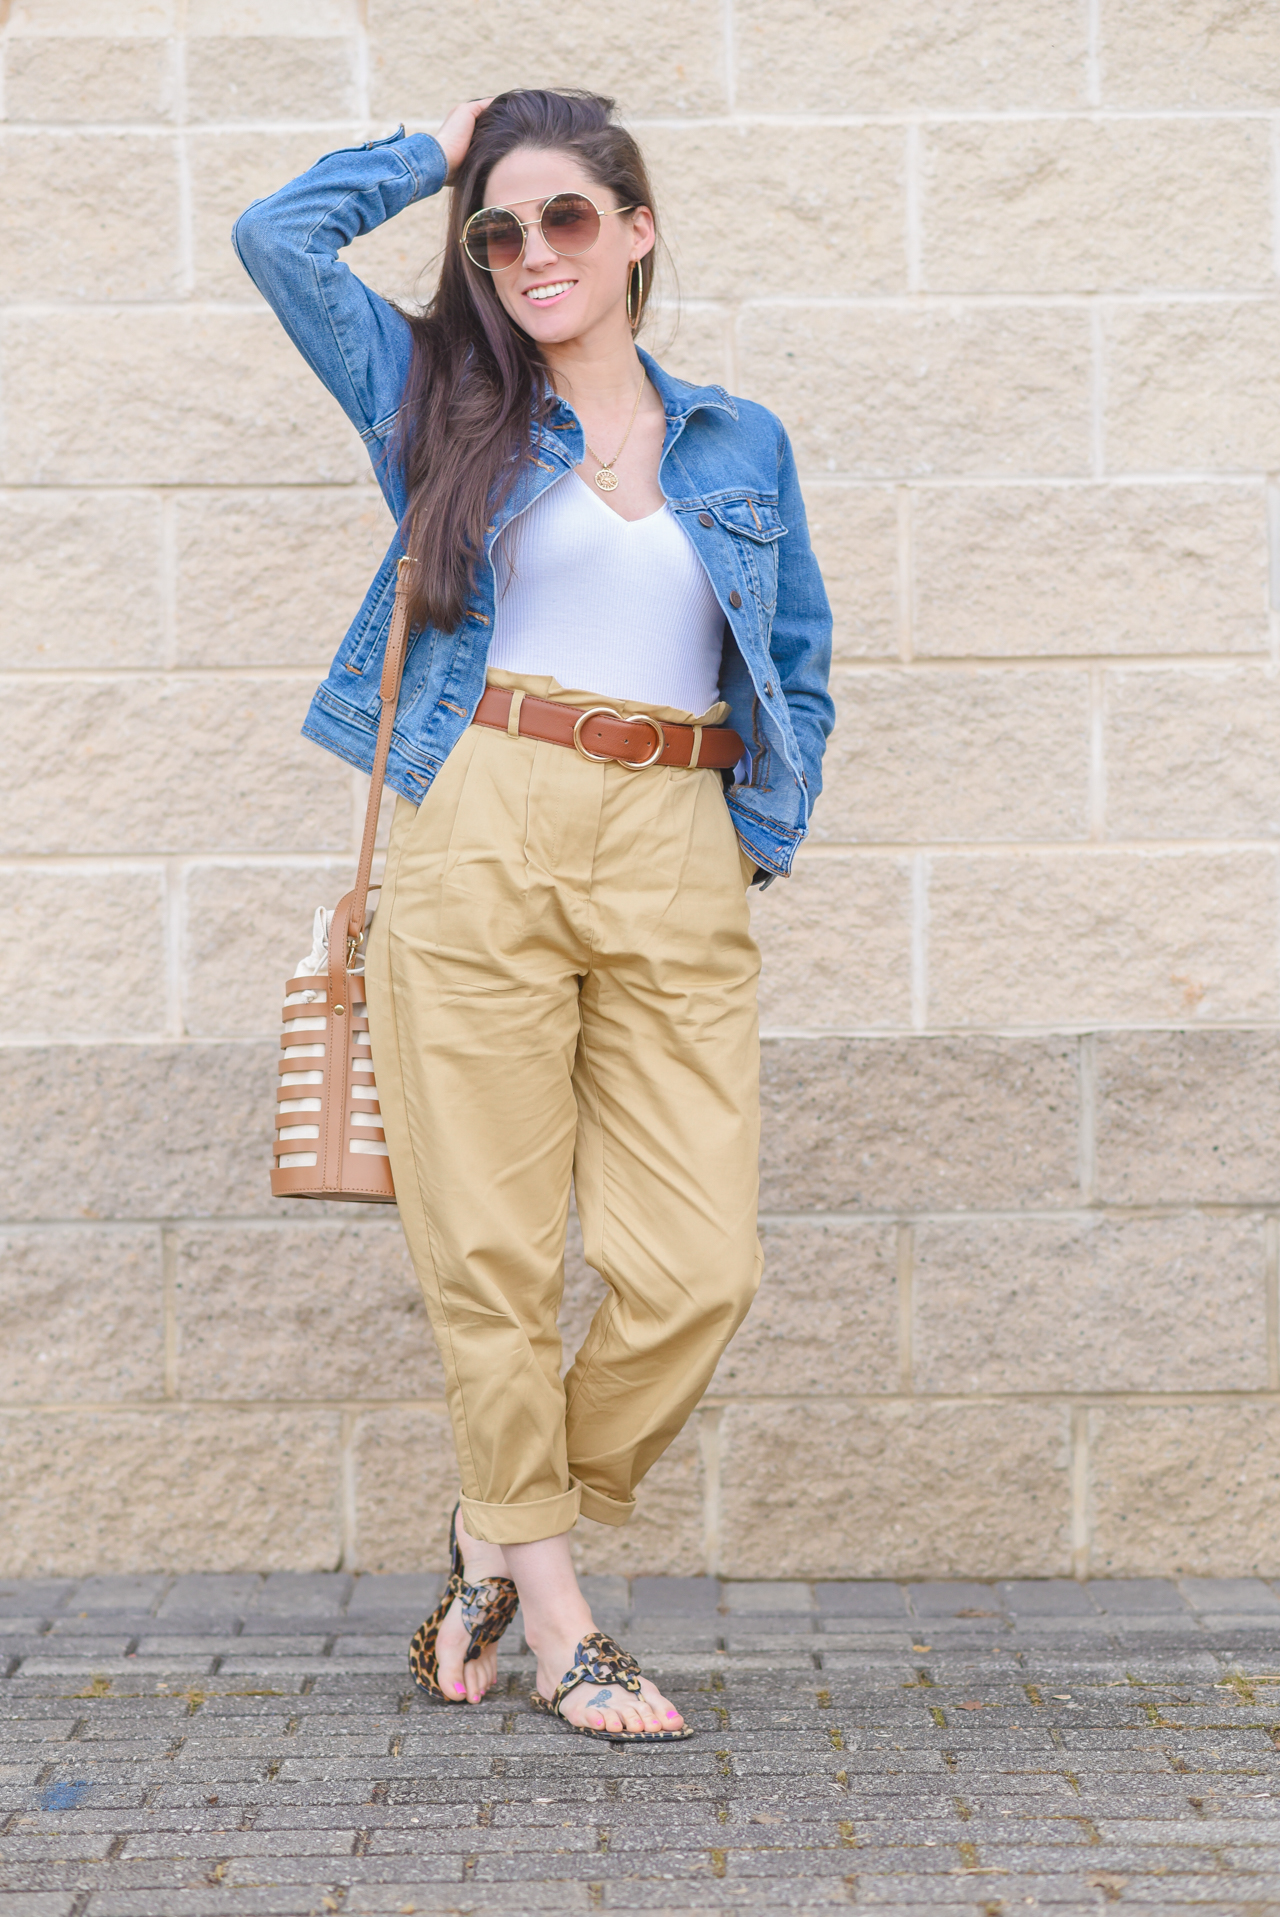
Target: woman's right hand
(455, 135)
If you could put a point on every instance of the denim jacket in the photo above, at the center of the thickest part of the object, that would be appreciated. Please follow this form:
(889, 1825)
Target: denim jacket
(727, 471)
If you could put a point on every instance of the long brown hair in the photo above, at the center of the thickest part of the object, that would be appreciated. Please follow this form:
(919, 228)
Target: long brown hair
(476, 381)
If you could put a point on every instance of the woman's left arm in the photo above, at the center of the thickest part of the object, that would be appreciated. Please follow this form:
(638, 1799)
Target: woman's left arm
(288, 243)
(800, 643)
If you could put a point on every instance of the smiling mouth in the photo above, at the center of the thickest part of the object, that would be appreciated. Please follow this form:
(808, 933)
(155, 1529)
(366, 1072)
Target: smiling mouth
(551, 291)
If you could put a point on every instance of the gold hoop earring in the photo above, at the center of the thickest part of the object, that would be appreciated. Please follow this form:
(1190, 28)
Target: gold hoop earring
(635, 310)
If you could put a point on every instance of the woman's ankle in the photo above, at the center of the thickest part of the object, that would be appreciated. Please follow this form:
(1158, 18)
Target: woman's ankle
(555, 1640)
(556, 1615)
(479, 1560)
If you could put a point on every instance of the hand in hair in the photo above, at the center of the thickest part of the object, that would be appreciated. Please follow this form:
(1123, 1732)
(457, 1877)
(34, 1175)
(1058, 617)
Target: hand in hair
(455, 135)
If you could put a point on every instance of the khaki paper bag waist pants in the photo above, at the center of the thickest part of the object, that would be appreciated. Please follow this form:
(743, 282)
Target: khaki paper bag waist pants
(562, 983)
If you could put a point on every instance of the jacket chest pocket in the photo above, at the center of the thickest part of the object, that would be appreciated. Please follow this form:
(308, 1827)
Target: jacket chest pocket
(755, 531)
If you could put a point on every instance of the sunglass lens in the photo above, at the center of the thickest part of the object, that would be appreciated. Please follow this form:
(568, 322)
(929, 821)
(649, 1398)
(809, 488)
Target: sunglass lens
(494, 238)
(570, 224)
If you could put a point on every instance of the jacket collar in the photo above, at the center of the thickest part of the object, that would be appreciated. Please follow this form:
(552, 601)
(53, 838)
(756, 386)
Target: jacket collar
(679, 398)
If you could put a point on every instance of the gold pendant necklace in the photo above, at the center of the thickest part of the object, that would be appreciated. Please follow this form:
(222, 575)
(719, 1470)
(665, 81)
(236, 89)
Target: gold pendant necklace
(606, 479)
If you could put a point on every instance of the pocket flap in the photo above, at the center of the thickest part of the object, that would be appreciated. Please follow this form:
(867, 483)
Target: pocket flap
(751, 516)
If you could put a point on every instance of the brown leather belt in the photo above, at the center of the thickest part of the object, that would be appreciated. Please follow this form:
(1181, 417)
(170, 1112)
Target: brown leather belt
(600, 733)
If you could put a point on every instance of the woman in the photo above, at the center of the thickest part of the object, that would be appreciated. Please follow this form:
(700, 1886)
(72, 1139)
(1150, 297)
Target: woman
(611, 722)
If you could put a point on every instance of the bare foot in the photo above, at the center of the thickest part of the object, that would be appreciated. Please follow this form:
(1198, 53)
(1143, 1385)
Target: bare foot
(608, 1707)
(468, 1679)
(556, 1619)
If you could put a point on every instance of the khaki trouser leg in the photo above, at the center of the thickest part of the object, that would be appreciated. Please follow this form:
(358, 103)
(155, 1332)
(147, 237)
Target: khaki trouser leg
(665, 1173)
(562, 959)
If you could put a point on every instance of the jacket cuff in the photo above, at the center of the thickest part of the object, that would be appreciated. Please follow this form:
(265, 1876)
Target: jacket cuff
(423, 154)
(772, 847)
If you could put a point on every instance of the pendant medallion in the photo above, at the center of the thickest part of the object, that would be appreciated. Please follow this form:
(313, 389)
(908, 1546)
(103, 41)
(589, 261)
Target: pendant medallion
(606, 480)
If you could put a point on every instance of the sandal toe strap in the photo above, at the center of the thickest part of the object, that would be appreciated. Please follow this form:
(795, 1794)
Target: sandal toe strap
(488, 1606)
(598, 1660)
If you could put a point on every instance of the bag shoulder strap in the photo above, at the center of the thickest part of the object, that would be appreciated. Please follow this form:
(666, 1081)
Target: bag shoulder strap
(392, 669)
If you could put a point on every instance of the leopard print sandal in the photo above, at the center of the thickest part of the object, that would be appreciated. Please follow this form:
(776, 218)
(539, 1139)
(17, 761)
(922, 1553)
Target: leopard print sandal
(488, 1606)
(598, 1660)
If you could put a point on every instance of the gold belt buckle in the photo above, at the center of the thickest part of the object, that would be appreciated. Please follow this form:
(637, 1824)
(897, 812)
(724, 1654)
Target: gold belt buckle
(606, 758)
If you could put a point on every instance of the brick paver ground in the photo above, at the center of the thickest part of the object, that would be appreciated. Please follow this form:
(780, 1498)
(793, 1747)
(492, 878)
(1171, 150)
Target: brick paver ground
(201, 1745)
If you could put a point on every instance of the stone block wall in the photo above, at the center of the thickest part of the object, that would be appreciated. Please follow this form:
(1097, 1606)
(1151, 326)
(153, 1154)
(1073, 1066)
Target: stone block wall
(1008, 272)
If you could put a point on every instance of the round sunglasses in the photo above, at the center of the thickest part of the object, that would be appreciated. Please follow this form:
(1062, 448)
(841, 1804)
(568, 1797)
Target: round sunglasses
(569, 223)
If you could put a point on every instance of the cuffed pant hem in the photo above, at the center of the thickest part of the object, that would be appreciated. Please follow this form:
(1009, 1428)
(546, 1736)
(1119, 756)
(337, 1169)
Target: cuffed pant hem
(605, 1510)
(522, 1523)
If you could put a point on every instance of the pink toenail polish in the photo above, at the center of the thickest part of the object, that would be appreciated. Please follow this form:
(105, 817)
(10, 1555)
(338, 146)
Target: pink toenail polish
(460, 1689)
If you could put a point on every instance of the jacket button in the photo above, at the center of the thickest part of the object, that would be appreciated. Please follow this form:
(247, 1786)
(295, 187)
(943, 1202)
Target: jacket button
(735, 598)
(768, 688)
(705, 519)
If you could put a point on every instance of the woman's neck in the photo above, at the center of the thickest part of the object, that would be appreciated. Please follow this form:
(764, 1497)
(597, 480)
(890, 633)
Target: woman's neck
(595, 373)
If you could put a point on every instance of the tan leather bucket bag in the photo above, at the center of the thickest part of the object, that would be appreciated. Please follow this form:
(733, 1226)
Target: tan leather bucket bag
(329, 1138)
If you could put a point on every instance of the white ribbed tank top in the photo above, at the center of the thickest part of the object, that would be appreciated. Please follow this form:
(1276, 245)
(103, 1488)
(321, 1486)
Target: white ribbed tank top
(621, 607)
